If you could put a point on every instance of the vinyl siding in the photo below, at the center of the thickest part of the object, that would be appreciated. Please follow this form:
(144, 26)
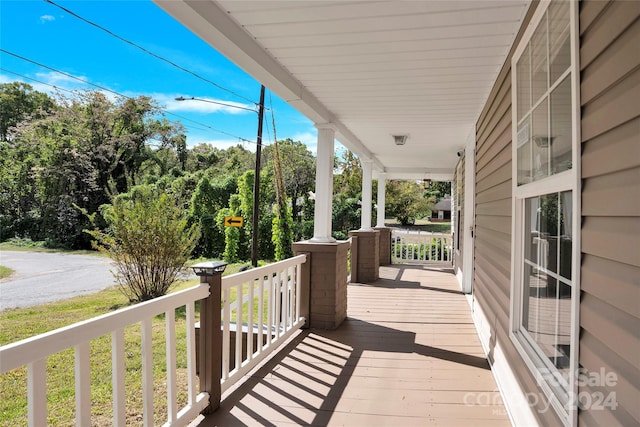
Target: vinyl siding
(492, 256)
(610, 270)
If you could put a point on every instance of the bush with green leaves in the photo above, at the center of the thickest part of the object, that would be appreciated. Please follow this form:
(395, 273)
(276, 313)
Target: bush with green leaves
(149, 240)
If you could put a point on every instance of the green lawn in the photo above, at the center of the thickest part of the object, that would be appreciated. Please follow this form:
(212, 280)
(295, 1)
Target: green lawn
(5, 272)
(17, 324)
(422, 225)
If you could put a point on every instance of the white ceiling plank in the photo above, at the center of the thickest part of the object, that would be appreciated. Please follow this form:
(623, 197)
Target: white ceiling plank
(373, 68)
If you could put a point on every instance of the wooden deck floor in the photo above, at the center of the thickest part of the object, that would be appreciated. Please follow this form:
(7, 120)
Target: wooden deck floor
(407, 355)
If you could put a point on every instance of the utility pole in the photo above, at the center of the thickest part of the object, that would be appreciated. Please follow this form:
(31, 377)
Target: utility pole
(256, 183)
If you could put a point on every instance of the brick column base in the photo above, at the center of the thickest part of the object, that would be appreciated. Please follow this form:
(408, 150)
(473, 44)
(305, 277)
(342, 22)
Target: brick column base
(368, 255)
(326, 268)
(385, 245)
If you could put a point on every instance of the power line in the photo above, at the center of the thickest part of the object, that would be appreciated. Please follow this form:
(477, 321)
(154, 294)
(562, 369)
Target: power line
(112, 92)
(111, 33)
(37, 81)
(61, 72)
(208, 127)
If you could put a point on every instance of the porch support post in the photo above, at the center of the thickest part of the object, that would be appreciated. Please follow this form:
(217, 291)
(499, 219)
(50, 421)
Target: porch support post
(324, 184)
(382, 187)
(365, 218)
(326, 269)
(210, 342)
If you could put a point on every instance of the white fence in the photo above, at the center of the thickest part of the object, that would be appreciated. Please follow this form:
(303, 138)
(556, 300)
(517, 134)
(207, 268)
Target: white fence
(409, 246)
(273, 290)
(268, 315)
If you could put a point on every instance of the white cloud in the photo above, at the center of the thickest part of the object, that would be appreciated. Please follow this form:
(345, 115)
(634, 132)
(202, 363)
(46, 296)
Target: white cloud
(222, 144)
(47, 18)
(62, 80)
(202, 105)
(310, 139)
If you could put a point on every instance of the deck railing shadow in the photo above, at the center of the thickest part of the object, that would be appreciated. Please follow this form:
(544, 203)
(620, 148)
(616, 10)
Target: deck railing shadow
(337, 354)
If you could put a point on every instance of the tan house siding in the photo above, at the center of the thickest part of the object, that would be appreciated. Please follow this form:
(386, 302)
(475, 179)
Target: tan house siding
(492, 272)
(610, 271)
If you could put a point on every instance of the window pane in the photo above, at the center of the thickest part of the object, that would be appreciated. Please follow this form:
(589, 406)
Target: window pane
(565, 241)
(561, 127)
(524, 153)
(563, 343)
(539, 62)
(541, 144)
(523, 77)
(532, 235)
(548, 229)
(546, 299)
(559, 40)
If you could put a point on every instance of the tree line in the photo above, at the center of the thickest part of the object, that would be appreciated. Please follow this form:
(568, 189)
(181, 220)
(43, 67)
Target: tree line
(66, 159)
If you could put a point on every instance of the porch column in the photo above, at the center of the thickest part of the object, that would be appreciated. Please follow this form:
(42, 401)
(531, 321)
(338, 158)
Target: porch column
(382, 187)
(365, 218)
(368, 250)
(324, 184)
(384, 242)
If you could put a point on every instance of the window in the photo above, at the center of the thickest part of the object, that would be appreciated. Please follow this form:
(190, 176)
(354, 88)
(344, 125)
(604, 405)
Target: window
(545, 298)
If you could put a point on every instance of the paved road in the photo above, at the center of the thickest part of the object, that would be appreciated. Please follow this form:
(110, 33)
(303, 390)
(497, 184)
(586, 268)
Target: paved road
(45, 277)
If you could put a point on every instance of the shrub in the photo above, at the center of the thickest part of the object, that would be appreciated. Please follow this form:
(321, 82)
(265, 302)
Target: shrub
(149, 241)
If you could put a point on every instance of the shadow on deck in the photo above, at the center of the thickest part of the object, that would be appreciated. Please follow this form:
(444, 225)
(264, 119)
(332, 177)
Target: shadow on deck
(407, 355)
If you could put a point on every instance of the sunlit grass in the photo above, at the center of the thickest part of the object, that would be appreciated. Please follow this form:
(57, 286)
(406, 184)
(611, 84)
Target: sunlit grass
(5, 272)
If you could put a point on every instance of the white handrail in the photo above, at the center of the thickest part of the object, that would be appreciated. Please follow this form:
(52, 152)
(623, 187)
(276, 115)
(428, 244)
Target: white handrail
(273, 290)
(416, 246)
(33, 352)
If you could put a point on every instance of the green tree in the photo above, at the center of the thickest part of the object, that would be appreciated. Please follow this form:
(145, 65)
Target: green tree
(298, 176)
(405, 200)
(19, 102)
(148, 239)
(231, 234)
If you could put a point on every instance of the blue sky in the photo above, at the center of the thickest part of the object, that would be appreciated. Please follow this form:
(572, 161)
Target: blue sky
(44, 33)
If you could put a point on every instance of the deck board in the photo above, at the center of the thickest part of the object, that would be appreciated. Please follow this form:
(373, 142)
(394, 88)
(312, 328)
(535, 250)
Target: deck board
(407, 355)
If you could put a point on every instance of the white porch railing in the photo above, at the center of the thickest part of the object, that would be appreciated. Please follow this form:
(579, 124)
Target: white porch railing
(268, 315)
(273, 292)
(408, 246)
(33, 353)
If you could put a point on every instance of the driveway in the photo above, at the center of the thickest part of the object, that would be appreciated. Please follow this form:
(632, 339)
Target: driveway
(45, 277)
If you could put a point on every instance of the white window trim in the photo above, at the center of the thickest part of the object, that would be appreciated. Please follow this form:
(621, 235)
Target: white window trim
(567, 180)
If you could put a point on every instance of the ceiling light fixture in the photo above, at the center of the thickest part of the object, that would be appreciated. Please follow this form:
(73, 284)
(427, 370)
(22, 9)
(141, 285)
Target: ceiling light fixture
(400, 139)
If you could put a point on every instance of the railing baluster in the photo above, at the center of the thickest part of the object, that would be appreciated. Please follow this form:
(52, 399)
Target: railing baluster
(270, 304)
(250, 320)
(117, 377)
(284, 281)
(83, 384)
(297, 283)
(239, 334)
(191, 353)
(170, 342)
(260, 314)
(147, 372)
(278, 303)
(37, 392)
(226, 321)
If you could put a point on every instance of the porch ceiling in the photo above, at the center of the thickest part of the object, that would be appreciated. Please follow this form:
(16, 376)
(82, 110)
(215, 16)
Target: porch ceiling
(372, 68)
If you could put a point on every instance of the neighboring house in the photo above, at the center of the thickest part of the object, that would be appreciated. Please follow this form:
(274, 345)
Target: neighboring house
(442, 210)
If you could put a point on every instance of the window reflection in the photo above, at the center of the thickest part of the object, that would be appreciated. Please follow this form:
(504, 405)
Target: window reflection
(546, 298)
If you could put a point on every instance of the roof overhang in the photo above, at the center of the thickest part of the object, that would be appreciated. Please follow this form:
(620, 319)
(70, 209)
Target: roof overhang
(372, 69)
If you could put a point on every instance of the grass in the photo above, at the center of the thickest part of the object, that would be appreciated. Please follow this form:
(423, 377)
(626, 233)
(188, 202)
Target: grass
(17, 324)
(421, 224)
(28, 245)
(5, 272)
